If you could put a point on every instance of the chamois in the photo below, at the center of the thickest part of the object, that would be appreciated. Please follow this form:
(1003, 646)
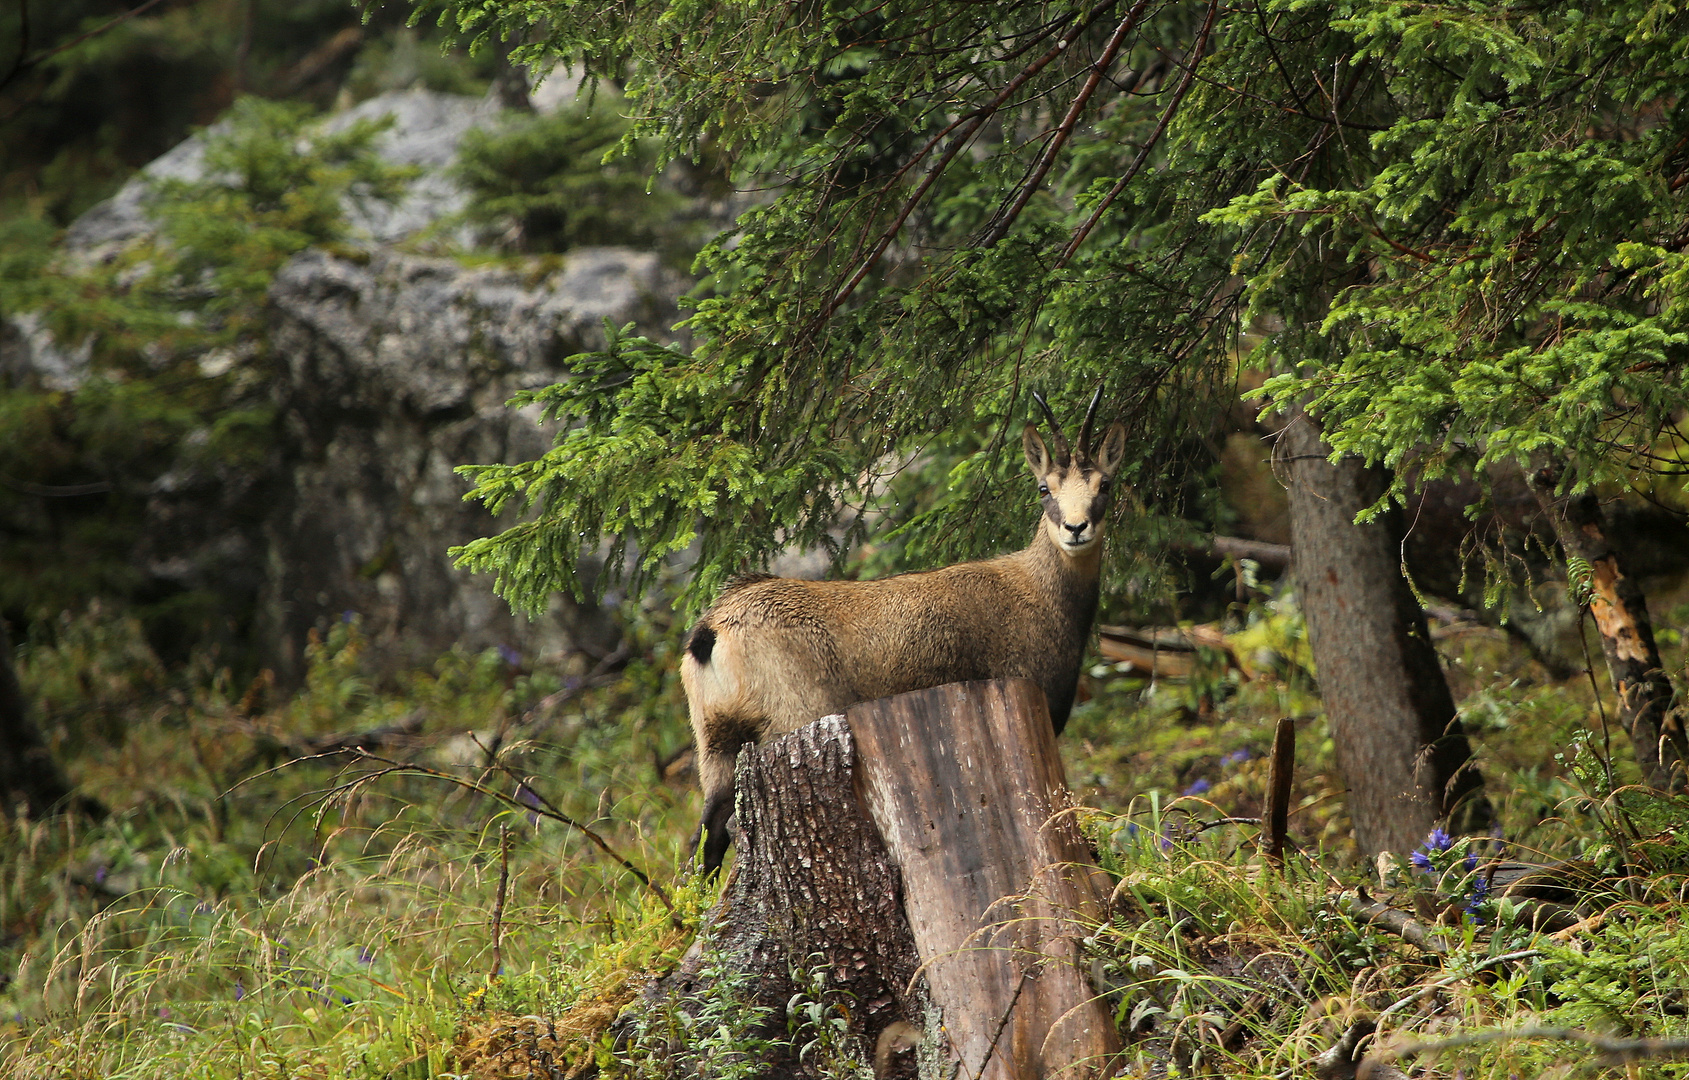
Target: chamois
(773, 654)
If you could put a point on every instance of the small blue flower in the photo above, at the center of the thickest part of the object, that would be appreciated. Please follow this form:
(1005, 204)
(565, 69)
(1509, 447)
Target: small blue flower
(1438, 840)
(1421, 861)
(1199, 786)
(348, 615)
(1480, 889)
(1236, 757)
(240, 991)
(366, 955)
(510, 656)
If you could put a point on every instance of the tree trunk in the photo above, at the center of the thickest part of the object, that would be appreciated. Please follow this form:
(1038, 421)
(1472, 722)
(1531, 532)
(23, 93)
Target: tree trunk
(1400, 748)
(951, 941)
(1627, 633)
(29, 777)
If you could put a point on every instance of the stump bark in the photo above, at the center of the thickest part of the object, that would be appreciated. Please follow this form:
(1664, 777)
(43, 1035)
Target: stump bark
(919, 851)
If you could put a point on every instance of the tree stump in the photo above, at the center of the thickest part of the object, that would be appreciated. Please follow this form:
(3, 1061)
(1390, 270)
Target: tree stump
(917, 851)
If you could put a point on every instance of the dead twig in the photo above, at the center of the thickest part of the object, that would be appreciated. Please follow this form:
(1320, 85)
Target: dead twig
(498, 902)
(1391, 920)
(541, 806)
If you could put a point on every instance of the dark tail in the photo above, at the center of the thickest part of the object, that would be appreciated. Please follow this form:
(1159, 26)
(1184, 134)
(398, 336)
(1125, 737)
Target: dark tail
(701, 643)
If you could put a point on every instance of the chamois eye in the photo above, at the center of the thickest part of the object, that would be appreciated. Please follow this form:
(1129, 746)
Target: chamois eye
(1102, 488)
(1043, 489)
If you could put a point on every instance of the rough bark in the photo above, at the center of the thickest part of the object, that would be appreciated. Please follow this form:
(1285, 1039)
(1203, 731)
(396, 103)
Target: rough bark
(1400, 747)
(1621, 616)
(811, 885)
(953, 940)
(29, 777)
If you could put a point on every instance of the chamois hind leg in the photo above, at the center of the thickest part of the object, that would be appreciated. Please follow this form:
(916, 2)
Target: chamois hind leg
(715, 775)
(713, 829)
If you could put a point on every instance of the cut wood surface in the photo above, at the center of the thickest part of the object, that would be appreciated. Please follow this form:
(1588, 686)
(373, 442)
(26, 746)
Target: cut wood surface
(966, 786)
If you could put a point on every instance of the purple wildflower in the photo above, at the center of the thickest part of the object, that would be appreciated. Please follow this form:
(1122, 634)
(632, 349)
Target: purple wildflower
(366, 955)
(1480, 889)
(1199, 786)
(348, 615)
(1420, 861)
(510, 656)
(240, 991)
(100, 876)
(1438, 840)
(1236, 757)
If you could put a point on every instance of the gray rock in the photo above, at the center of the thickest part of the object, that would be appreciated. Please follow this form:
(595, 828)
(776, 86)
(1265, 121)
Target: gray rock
(387, 372)
(395, 372)
(31, 356)
(121, 219)
(426, 130)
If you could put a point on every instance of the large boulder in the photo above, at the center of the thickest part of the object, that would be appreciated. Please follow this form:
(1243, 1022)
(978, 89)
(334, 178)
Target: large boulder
(388, 370)
(397, 370)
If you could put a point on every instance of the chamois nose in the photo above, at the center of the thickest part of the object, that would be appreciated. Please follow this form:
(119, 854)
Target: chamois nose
(1076, 530)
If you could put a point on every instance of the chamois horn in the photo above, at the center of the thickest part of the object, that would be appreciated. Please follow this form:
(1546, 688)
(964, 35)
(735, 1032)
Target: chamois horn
(1063, 453)
(1085, 428)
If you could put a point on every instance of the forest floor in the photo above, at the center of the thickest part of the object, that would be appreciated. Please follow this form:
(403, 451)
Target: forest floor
(263, 900)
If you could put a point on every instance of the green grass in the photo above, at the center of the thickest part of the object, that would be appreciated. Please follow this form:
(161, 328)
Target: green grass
(239, 914)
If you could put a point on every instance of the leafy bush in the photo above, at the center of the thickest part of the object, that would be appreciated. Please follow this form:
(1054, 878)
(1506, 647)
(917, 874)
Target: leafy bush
(568, 178)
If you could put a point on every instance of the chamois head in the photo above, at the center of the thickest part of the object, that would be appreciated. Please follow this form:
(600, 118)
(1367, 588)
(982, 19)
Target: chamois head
(1074, 484)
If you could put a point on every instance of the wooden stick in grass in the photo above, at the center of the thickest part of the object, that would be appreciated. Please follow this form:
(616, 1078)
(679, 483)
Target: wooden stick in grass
(1276, 817)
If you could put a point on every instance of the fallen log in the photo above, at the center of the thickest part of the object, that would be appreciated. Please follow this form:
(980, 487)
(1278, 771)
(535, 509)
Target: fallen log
(919, 854)
(1164, 652)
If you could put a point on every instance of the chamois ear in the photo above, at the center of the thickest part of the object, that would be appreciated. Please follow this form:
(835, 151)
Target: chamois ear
(1113, 450)
(1037, 456)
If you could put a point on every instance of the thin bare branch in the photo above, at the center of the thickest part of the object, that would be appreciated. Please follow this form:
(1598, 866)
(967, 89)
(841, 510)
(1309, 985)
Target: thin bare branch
(1167, 115)
(969, 127)
(25, 62)
(1064, 130)
(1609, 1052)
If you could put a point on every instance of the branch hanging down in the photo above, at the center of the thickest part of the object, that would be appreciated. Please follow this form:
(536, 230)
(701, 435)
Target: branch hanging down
(1064, 130)
(1201, 46)
(969, 126)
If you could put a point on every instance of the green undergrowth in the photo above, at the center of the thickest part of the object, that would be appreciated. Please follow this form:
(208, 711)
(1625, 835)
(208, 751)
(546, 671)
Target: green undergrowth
(435, 906)
(241, 913)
